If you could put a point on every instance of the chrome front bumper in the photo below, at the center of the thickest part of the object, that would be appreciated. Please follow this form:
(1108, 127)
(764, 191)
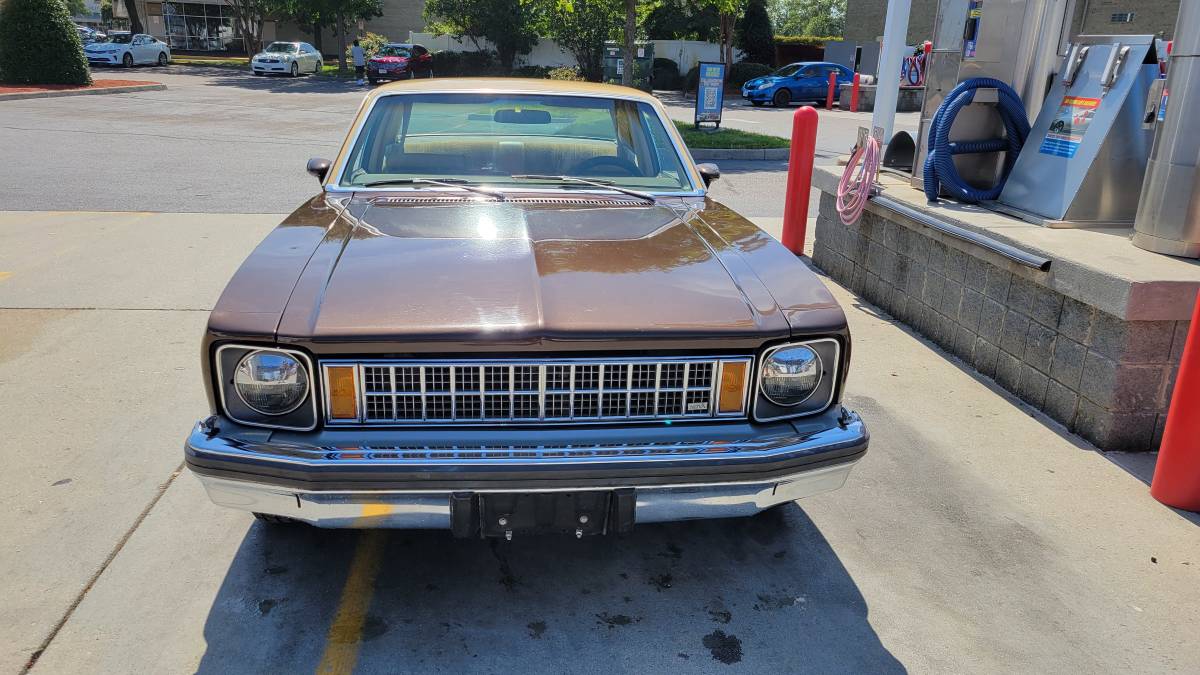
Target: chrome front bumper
(676, 473)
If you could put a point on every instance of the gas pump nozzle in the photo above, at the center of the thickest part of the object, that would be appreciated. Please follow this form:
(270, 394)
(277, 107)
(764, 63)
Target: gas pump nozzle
(1075, 59)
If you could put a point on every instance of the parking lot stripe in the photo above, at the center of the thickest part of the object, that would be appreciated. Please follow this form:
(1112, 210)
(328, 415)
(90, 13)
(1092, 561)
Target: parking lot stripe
(345, 633)
(5, 275)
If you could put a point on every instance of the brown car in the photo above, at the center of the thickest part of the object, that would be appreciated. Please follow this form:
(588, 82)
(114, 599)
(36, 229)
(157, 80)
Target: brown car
(513, 309)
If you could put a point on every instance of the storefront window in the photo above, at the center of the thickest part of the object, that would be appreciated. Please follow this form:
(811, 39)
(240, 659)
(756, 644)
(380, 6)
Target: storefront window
(198, 26)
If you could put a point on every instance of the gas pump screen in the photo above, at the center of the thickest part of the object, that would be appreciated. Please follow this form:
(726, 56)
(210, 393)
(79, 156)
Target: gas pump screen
(1070, 122)
(710, 94)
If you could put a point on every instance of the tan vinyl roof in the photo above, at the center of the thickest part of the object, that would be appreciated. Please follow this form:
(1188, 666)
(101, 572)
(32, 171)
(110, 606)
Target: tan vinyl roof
(510, 84)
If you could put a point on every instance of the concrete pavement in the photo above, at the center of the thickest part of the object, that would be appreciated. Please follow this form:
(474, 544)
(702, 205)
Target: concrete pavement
(975, 536)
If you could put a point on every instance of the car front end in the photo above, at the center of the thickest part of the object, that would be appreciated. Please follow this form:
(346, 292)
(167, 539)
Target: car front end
(526, 353)
(759, 89)
(267, 62)
(103, 53)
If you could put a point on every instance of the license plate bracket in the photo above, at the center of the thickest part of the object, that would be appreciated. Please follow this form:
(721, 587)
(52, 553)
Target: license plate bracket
(505, 514)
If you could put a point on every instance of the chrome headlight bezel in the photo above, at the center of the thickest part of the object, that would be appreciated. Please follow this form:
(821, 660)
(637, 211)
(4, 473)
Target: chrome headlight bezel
(828, 351)
(227, 359)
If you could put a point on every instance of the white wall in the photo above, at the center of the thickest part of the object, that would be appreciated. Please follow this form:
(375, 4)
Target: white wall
(686, 53)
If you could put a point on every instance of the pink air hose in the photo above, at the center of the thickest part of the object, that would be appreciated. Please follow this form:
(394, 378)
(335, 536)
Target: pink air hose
(855, 187)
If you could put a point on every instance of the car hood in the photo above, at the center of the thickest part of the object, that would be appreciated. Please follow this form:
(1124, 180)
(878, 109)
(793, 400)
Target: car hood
(481, 272)
(766, 79)
(389, 59)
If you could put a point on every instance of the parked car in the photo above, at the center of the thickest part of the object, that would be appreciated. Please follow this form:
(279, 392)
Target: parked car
(399, 61)
(127, 50)
(291, 58)
(514, 308)
(804, 81)
(89, 35)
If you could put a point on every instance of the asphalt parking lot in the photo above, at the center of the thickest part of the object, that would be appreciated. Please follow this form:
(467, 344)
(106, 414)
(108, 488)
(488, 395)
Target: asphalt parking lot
(976, 536)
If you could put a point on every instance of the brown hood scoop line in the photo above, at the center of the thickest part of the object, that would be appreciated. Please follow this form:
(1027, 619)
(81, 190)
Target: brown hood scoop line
(566, 200)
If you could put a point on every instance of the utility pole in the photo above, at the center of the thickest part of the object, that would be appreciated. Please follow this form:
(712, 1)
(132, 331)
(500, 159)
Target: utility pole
(341, 33)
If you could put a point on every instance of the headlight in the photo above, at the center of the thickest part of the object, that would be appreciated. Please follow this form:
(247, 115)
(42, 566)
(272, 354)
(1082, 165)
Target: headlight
(271, 383)
(797, 379)
(790, 375)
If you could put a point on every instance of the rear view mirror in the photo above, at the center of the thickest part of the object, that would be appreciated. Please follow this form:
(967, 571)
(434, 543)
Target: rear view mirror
(318, 167)
(510, 116)
(709, 172)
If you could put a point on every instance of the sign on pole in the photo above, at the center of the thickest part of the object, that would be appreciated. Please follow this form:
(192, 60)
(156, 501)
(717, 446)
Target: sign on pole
(710, 94)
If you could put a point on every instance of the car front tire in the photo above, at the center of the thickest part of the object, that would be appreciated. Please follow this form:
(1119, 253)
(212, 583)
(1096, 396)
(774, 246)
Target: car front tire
(318, 67)
(127, 60)
(162, 59)
(295, 71)
(782, 98)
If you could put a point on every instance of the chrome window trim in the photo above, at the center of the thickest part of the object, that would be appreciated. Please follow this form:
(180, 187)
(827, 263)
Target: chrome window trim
(312, 390)
(837, 364)
(713, 389)
(333, 181)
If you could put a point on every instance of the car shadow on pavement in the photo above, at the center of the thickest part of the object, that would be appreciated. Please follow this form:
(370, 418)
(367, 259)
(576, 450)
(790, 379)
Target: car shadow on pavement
(244, 79)
(768, 592)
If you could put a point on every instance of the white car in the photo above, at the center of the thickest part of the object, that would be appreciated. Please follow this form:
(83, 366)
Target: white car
(128, 50)
(291, 58)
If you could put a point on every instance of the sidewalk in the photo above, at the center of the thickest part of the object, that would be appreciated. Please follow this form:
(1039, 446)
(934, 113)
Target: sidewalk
(10, 92)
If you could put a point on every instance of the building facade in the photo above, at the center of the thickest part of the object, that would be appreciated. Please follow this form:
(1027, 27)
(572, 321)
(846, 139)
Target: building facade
(209, 25)
(864, 18)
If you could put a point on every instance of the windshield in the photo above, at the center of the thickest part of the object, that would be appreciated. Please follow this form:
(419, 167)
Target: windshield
(488, 138)
(788, 70)
(281, 48)
(393, 50)
(121, 38)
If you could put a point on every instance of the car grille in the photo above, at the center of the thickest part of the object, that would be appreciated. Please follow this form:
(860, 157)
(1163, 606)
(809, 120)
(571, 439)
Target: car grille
(570, 391)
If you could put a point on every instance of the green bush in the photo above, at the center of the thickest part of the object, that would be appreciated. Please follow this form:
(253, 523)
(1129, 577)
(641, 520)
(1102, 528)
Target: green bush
(745, 70)
(536, 72)
(567, 73)
(665, 74)
(754, 34)
(39, 44)
(371, 45)
(466, 64)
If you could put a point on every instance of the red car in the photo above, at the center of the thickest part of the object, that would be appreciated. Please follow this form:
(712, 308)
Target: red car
(399, 61)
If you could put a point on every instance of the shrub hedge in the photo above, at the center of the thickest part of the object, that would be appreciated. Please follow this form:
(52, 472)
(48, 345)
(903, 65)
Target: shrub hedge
(734, 79)
(809, 40)
(39, 44)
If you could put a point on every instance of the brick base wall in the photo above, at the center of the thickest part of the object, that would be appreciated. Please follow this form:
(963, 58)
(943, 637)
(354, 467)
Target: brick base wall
(1105, 378)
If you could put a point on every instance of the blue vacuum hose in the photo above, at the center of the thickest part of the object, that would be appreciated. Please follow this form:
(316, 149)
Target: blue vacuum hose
(940, 172)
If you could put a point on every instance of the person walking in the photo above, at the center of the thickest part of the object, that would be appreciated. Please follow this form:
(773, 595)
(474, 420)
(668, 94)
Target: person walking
(360, 61)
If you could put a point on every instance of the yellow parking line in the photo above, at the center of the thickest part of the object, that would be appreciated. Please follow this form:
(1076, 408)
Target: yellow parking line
(5, 275)
(345, 633)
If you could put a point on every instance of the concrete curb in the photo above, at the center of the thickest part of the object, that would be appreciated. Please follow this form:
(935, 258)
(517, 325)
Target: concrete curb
(772, 154)
(83, 92)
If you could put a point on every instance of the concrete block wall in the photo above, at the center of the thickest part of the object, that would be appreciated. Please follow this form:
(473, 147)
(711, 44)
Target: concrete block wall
(1107, 379)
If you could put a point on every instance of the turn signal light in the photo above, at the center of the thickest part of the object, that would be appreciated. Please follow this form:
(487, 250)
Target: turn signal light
(343, 393)
(733, 387)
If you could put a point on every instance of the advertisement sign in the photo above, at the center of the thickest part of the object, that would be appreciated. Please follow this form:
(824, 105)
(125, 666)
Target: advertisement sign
(710, 94)
(1074, 115)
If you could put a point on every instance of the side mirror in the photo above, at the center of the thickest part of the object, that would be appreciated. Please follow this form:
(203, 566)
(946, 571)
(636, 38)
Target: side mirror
(319, 167)
(709, 172)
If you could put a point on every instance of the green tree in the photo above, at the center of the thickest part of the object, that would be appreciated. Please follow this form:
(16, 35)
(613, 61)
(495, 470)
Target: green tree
(808, 17)
(755, 36)
(682, 20)
(77, 7)
(58, 58)
(581, 27)
(510, 25)
(727, 12)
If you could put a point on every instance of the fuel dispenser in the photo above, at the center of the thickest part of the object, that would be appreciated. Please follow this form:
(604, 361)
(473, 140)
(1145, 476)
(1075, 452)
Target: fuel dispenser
(1085, 157)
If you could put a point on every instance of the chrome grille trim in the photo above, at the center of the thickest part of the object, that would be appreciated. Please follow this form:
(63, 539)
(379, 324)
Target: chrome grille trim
(550, 391)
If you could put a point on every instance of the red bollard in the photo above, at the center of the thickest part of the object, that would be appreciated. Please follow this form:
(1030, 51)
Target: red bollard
(854, 95)
(799, 180)
(1177, 474)
(832, 90)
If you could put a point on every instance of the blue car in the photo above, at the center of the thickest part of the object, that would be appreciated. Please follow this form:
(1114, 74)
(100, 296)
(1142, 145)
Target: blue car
(803, 81)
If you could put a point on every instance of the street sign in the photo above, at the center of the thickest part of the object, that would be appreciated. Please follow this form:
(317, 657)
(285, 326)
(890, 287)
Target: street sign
(710, 93)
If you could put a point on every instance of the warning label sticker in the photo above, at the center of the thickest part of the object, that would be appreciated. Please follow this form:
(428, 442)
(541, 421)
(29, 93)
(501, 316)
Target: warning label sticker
(1070, 122)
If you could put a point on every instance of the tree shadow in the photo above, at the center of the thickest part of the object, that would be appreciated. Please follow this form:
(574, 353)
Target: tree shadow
(242, 78)
(768, 592)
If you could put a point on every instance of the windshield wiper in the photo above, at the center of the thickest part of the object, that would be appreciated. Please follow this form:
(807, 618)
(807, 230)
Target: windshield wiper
(443, 182)
(608, 185)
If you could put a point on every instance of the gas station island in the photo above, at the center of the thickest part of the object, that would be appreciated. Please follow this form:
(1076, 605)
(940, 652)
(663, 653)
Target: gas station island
(1044, 225)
